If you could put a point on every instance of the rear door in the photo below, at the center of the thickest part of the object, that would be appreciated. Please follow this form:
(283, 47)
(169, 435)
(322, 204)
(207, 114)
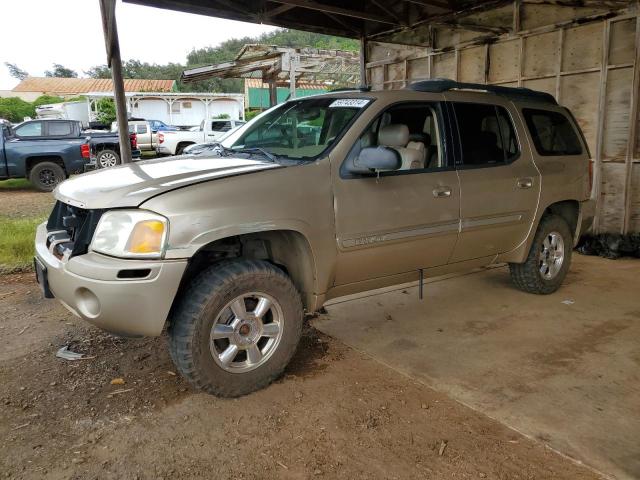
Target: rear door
(403, 220)
(499, 183)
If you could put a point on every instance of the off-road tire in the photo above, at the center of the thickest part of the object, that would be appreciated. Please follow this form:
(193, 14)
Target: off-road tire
(192, 318)
(527, 276)
(46, 175)
(103, 154)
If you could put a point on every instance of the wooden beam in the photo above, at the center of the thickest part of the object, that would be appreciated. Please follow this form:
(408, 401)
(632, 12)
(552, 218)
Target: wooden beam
(274, 12)
(320, 7)
(432, 3)
(110, 30)
(446, 16)
(474, 27)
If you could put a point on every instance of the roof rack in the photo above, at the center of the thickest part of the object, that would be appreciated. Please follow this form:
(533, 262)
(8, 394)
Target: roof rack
(361, 88)
(439, 85)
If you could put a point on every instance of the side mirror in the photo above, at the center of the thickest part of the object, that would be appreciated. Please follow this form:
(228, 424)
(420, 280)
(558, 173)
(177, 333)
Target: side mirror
(154, 131)
(375, 159)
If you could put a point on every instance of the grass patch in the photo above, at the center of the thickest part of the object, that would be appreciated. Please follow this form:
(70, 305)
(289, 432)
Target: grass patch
(16, 184)
(16, 243)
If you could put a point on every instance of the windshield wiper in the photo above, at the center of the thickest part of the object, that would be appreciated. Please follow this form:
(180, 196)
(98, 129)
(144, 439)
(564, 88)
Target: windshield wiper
(264, 152)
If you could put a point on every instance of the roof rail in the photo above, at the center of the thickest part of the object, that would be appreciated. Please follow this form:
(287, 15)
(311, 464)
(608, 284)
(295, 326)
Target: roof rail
(361, 88)
(439, 85)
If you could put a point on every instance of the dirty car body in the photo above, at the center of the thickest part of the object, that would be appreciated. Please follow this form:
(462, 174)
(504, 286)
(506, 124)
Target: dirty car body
(337, 194)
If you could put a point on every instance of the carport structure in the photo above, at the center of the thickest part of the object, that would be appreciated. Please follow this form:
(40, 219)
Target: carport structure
(583, 52)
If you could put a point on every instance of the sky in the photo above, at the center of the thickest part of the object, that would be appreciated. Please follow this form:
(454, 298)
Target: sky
(37, 33)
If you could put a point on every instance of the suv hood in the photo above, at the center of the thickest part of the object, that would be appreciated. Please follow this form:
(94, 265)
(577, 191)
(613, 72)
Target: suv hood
(130, 185)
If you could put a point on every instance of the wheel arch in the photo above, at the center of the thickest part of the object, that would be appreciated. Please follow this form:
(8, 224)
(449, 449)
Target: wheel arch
(290, 250)
(32, 161)
(568, 209)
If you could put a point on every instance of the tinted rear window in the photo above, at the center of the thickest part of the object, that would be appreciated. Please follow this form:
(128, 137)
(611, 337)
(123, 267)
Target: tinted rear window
(552, 133)
(487, 135)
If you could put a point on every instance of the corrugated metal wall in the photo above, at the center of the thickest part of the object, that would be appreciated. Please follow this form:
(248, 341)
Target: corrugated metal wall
(586, 58)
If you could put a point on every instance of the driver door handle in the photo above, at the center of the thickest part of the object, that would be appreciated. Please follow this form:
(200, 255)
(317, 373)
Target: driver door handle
(441, 192)
(526, 182)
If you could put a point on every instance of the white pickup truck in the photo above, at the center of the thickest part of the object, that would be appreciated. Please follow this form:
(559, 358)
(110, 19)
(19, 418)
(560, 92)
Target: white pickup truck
(174, 143)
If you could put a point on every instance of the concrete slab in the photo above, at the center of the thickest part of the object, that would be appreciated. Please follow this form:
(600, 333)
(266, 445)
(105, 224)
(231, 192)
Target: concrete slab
(561, 368)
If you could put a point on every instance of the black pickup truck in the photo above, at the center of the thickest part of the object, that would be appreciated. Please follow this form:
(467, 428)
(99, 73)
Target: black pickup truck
(46, 152)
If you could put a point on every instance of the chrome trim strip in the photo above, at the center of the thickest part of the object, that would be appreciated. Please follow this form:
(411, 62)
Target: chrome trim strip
(387, 237)
(484, 222)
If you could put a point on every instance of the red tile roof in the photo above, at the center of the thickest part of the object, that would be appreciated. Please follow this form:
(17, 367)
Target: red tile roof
(86, 85)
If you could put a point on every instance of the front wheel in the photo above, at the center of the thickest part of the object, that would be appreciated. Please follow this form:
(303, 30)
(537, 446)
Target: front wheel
(549, 258)
(236, 327)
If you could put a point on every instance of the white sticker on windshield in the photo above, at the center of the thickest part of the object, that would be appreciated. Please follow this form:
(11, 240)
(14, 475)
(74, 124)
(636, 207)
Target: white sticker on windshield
(350, 102)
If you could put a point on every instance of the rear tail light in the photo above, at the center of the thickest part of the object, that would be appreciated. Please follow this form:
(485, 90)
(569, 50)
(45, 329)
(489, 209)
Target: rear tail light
(85, 151)
(160, 138)
(134, 141)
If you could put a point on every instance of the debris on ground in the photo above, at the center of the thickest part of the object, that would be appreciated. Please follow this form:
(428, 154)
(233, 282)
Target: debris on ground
(117, 381)
(610, 245)
(443, 446)
(67, 354)
(568, 302)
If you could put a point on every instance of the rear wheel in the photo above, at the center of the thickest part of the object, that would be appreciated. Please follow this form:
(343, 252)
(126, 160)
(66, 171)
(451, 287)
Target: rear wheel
(236, 327)
(107, 158)
(549, 258)
(181, 147)
(46, 175)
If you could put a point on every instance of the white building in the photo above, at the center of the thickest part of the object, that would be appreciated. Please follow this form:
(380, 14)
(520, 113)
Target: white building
(181, 109)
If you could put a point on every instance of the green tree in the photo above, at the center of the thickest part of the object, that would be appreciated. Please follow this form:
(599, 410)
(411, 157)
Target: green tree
(106, 111)
(61, 71)
(47, 99)
(16, 72)
(15, 109)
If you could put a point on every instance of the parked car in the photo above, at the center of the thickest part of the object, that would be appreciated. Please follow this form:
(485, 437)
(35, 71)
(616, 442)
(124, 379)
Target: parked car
(229, 250)
(174, 143)
(47, 151)
(147, 138)
(198, 148)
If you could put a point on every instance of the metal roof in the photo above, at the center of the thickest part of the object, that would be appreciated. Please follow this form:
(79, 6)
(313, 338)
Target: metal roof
(379, 20)
(86, 85)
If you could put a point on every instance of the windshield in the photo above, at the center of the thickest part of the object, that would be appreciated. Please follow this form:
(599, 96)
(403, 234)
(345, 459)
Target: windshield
(299, 129)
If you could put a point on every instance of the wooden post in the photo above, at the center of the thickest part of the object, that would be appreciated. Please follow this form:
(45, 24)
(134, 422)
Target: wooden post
(273, 91)
(363, 61)
(110, 30)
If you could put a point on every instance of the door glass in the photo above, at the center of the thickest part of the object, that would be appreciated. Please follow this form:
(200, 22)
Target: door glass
(487, 136)
(411, 129)
(33, 129)
(59, 129)
(142, 129)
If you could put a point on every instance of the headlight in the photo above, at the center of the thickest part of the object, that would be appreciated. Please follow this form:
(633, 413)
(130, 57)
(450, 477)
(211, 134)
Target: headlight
(131, 234)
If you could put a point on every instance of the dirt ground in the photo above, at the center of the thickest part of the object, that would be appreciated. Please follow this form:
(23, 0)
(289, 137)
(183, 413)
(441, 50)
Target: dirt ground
(335, 414)
(25, 202)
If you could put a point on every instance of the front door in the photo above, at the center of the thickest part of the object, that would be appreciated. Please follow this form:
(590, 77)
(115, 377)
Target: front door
(403, 220)
(499, 182)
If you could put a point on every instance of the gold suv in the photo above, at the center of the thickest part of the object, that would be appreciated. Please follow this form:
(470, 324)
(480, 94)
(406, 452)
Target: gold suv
(314, 199)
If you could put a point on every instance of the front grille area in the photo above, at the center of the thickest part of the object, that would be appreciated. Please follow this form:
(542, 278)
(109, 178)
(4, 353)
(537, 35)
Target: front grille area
(70, 230)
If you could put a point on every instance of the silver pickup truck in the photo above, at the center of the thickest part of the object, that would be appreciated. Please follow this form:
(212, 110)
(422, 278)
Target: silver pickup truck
(317, 198)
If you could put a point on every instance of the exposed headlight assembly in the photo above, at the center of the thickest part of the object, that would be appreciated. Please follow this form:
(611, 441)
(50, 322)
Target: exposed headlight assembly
(131, 234)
